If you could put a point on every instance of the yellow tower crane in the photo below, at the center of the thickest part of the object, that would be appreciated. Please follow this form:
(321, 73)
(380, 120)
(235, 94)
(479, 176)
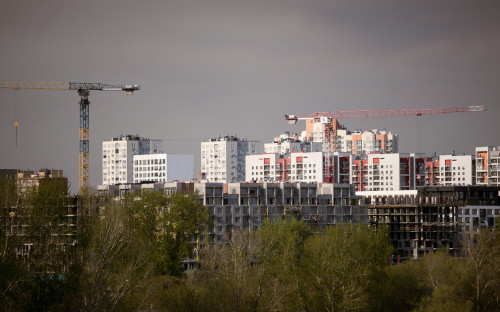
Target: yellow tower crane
(83, 89)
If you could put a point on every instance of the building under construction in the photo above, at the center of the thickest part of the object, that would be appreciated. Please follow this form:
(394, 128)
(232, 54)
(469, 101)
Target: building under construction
(431, 218)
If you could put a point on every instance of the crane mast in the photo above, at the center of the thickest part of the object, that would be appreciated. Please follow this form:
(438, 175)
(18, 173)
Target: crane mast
(328, 118)
(83, 89)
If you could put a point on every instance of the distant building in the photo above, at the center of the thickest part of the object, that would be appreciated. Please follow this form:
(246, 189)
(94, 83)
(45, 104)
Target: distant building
(431, 218)
(356, 142)
(162, 167)
(117, 157)
(294, 167)
(28, 179)
(8, 174)
(361, 142)
(447, 170)
(291, 143)
(487, 165)
(46, 238)
(245, 206)
(223, 158)
(388, 172)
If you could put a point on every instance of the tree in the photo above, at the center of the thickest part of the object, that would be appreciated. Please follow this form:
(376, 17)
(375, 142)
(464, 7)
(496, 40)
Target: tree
(482, 275)
(229, 276)
(115, 261)
(340, 266)
(170, 225)
(281, 248)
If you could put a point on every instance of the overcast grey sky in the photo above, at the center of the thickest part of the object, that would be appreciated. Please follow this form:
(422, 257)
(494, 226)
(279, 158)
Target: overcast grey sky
(211, 67)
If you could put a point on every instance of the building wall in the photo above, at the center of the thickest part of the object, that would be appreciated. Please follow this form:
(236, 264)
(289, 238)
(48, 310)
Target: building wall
(456, 170)
(179, 167)
(223, 158)
(162, 167)
(292, 147)
(487, 165)
(388, 172)
(425, 220)
(28, 179)
(117, 157)
(293, 167)
(245, 206)
(365, 142)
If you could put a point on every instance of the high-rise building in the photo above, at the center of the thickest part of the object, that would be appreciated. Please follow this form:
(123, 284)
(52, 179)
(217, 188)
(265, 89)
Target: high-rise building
(487, 165)
(356, 142)
(291, 145)
(117, 157)
(447, 170)
(361, 142)
(388, 172)
(223, 158)
(163, 167)
(294, 167)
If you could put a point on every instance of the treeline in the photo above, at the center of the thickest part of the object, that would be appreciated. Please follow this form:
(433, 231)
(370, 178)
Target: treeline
(126, 256)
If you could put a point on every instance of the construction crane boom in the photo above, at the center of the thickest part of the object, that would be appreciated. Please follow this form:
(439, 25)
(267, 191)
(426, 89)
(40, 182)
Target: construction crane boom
(385, 113)
(83, 89)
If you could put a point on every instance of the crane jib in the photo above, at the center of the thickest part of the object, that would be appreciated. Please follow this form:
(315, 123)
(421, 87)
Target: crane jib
(83, 89)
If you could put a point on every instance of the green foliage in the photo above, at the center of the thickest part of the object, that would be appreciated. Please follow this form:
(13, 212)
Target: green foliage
(281, 247)
(445, 298)
(229, 280)
(129, 253)
(338, 267)
(169, 224)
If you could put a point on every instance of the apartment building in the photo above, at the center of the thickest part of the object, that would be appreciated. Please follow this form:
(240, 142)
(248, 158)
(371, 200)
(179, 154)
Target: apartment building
(288, 146)
(447, 170)
(8, 174)
(388, 172)
(361, 142)
(162, 167)
(315, 128)
(117, 157)
(245, 206)
(430, 218)
(43, 233)
(297, 167)
(487, 165)
(26, 180)
(292, 143)
(223, 158)
(356, 142)
(294, 167)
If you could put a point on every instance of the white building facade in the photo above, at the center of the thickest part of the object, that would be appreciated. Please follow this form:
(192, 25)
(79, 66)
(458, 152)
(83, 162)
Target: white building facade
(356, 142)
(388, 172)
(361, 142)
(294, 167)
(223, 158)
(117, 157)
(487, 165)
(292, 146)
(162, 168)
(456, 170)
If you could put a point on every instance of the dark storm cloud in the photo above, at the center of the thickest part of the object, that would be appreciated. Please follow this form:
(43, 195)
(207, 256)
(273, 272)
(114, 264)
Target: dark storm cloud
(235, 67)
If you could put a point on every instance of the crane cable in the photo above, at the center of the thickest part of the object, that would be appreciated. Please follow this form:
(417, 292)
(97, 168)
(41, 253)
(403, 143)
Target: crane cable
(16, 111)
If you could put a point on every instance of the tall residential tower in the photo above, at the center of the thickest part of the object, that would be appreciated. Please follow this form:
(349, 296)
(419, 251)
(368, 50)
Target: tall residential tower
(117, 157)
(223, 158)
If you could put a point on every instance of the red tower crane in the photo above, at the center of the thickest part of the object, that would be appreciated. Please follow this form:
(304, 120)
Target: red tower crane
(328, 119)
